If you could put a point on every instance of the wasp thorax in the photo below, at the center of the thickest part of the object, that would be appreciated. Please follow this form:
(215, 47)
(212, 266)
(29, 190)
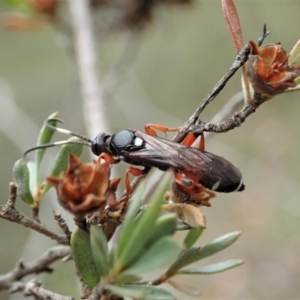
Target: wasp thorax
(122, 140)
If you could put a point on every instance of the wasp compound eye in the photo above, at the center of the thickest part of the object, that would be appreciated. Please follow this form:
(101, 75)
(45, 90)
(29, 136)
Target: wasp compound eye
(99, 144)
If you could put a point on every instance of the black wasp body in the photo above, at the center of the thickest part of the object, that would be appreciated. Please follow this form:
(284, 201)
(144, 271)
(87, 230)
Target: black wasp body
(141, 149)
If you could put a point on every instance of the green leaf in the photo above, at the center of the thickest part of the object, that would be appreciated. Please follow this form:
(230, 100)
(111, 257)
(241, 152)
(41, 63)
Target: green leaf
(125, 291)
(141, 292)
(192, 237)
(44, 137)
(165, 225)
(214, 268)
(32, 177)
(99, 249)
(20, 5)
(194, 254)
(185, 258)
(181, 226)
(297, 81)
(83, 257)
(138, 237)
(129, 222)
(62, 159)
(127, 278)
(22, 178)
(161, 253)
(294, 54)
(219, 244)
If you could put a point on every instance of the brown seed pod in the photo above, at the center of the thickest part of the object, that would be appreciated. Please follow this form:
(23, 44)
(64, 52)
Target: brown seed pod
(268, 70)
(82, 188)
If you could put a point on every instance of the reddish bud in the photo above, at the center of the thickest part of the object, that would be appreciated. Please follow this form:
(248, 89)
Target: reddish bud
(82, 188)
(268, 70)
(46, 7)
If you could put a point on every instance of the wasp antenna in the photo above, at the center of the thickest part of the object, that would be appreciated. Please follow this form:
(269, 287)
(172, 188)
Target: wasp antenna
(60, 143)
(65, 131)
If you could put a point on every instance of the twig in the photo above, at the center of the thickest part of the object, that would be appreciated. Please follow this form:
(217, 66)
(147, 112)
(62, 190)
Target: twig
(92, 95)
(12, 195)
(193, 124)
(239, 61)
(34, 288)
(38, 265)
(235, 121)
(62, 223)
(13, 215)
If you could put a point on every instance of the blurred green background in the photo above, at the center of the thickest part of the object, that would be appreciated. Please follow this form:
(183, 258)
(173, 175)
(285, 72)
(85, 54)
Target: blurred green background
(179, 58)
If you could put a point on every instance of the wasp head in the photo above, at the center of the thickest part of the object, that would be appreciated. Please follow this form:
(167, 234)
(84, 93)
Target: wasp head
(101, 143)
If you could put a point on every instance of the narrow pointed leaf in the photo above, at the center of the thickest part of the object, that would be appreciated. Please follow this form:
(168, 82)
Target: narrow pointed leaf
(141, 292)
(83, 257)
(44, 138)
(139, 236)
(192, 237)
(164, 226)
(127, 278)
(161, 253)
(181, 226)
(219, 244)
(125, 291)
(22, 178)
(214, 268)
(129, 222)
(99, 249)
(185, 258)
(295, 53)
(194, 254)
(62, 159)
(32, 177)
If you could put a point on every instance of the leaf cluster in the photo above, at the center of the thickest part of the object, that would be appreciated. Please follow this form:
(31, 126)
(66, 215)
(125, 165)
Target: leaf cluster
(27, 174)
(145, 244)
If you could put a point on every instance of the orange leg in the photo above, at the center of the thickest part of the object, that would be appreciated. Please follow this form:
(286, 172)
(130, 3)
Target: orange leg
(186, 178)
(188, 141)
(191, 138)
(182, 180)
(150, 129)
(135, 172)
(108, 158)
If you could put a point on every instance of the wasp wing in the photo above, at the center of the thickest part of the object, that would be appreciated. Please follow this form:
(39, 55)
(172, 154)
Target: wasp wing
(164, 154)
(214, 172)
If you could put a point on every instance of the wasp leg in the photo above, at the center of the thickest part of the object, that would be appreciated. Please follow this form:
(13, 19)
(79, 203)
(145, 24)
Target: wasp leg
(191, 138)
(108, 158)
(135, 172)
(183, 180)
(150, 129)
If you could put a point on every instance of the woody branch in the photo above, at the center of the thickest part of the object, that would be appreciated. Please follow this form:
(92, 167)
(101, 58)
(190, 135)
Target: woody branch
(36, 266)
(11, 213)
